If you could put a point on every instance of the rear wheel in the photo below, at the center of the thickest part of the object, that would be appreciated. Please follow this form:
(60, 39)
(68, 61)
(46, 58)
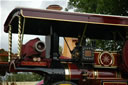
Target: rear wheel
(64, 83)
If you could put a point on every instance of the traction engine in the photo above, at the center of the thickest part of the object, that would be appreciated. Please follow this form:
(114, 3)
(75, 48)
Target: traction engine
(87, 65)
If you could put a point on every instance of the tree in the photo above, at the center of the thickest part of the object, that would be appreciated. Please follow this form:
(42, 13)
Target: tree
(5, 58)
(113, 7)
(60, 50)
(0, 79)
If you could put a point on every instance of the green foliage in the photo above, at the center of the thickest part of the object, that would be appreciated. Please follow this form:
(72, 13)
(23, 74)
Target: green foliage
(5, 58)
(60, 50)
(113, 7)
(24, 77)
(0, 79)
(109, 45)
(2, 50)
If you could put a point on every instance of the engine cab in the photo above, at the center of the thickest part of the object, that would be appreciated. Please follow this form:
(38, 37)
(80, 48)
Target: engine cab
(99, 57)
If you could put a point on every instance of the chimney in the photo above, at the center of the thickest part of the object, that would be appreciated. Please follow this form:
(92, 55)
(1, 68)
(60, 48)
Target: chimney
(54, 7)
(48, 37)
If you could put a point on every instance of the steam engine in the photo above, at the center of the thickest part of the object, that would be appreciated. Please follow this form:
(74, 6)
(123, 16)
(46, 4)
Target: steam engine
(85, 66)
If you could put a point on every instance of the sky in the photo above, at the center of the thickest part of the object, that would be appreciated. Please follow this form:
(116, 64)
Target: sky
(6, 6)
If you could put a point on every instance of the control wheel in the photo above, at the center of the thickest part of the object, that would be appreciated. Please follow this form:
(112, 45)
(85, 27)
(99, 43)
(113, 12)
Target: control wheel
(64, 83)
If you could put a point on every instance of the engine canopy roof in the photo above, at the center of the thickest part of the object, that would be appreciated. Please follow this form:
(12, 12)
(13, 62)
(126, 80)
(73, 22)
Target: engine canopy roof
(67, 24)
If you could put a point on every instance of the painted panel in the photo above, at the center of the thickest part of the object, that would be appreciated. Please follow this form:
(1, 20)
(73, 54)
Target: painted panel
(114, 83)
(102, 57)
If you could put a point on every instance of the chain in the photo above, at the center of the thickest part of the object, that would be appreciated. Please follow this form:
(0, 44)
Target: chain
(19, 37)
(10, 43)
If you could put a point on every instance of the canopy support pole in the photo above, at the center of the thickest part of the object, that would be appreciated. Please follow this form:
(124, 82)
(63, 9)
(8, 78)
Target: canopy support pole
(10, 43)
(20, 36)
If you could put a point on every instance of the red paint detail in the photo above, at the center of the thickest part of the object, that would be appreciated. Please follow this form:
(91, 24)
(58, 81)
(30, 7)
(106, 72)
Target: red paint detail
(114, 20)
(96, 58)
(29, 63)
(125, 56)
(28, 50)
(75, 72)
(114, 83)
(66, 16)
(3, 63)
(116, 58)
(106, 74)
(64, 57)
(106, 59)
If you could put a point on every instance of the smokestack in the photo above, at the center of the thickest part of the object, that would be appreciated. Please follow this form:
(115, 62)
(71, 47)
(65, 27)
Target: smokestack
(48, 37)
(54, 7)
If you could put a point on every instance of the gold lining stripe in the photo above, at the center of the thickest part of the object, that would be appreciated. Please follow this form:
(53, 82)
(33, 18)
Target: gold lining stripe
(98, 57)
(102, 78)
(99, 66)
(71, 20)
(95, 75)
(107, 78)
(119, 75)
(69, 72)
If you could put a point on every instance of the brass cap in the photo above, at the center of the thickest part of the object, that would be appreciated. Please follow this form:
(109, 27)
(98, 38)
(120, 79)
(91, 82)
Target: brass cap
(54, 7)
